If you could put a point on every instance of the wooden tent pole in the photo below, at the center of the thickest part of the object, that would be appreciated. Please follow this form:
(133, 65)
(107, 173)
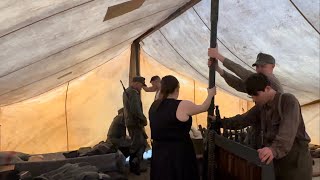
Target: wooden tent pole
(135, 47)
(134, 69)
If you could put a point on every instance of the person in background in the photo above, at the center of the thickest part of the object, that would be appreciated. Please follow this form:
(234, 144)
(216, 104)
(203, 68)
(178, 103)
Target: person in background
(117, 134)
(135, 122)
(155, 81)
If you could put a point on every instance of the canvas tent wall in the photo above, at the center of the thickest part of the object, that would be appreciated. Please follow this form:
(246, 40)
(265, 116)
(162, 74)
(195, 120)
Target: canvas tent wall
(60, 65)
(79, 113)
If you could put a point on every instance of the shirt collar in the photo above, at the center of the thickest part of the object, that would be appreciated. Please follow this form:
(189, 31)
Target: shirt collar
(273, 102)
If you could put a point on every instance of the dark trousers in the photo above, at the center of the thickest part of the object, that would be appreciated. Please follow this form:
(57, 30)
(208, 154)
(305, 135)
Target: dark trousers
(297, 165)
(138, 145)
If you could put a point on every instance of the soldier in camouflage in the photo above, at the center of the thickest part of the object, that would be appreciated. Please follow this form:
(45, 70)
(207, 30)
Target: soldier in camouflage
(117, 134)
(135, 122)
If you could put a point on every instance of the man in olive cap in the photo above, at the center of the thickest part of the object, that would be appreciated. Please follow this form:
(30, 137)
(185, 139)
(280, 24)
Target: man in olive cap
(135, 122)
(117, 129)
(117, 134)
(264, 64)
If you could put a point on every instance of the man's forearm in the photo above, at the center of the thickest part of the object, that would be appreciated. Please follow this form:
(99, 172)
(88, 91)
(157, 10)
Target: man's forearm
(236, 122)
(149, 89)
(220, 71)
(241, 121)
(240, 71)
(234, 82)
(221, 58)
(143, 119)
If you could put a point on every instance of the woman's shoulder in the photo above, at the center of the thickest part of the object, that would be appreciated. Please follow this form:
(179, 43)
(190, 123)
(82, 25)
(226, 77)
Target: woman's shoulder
(185, 102)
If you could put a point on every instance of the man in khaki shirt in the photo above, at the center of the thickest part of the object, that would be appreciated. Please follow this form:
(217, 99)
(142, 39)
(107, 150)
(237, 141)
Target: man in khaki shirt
(282, 131)
(265, 64)
(135, 122)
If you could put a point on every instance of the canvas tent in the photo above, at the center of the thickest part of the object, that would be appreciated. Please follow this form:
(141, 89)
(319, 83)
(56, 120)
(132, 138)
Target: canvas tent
(61, 61)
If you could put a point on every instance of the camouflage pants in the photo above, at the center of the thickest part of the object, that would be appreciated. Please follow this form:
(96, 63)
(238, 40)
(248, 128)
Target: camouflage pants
(138, 145)
(297, 165)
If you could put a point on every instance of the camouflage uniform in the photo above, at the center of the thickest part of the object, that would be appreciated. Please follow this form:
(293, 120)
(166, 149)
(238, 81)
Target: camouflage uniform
(117, 129)
(117, 135)
(282, 129)
(135, 122)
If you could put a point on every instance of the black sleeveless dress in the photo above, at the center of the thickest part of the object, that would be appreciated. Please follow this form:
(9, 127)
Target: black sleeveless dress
(173, 156)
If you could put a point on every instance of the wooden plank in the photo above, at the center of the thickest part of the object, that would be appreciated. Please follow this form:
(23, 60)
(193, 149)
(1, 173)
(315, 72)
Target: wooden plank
(174, 15)
(251, 155)
(123, 8)
(6, 168)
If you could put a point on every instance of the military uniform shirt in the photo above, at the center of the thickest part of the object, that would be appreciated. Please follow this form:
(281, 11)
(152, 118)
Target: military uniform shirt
(280, 130)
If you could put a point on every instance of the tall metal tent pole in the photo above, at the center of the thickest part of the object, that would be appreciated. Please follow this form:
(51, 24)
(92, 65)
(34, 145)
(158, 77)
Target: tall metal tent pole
(209, 168)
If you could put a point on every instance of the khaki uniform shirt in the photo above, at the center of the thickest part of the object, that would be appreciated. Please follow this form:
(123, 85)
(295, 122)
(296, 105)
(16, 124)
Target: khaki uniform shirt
(133, 112)
(279, 129)
(117, 128)
(238, 82)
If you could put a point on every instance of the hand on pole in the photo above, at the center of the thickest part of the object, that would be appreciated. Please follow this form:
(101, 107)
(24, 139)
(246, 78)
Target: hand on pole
(212, 92)
(214, 53)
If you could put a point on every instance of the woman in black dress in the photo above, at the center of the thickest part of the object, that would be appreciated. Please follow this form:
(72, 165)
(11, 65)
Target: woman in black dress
(173, 156)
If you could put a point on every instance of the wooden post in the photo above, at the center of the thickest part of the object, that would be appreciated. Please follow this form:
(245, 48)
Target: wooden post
(134, 69)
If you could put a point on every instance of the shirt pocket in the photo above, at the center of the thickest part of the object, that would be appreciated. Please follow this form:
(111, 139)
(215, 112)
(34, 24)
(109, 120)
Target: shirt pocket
(274, 129)
(275, 122)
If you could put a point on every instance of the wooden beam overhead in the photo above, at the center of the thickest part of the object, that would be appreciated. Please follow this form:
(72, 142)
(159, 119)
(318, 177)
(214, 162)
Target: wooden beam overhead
(311, 103)
(174, 15)
(123, 8)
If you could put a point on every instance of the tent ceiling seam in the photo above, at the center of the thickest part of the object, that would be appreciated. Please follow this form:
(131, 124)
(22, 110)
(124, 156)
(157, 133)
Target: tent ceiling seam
(221, 41)
(305, 18)
(186, 62)
(85, 41)
(67, 67)
(66, 115)
(18, 29)
(63, 82)
(311, 103)
(162, 64)
(240, 58)
(181, 55)
(171, 17)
